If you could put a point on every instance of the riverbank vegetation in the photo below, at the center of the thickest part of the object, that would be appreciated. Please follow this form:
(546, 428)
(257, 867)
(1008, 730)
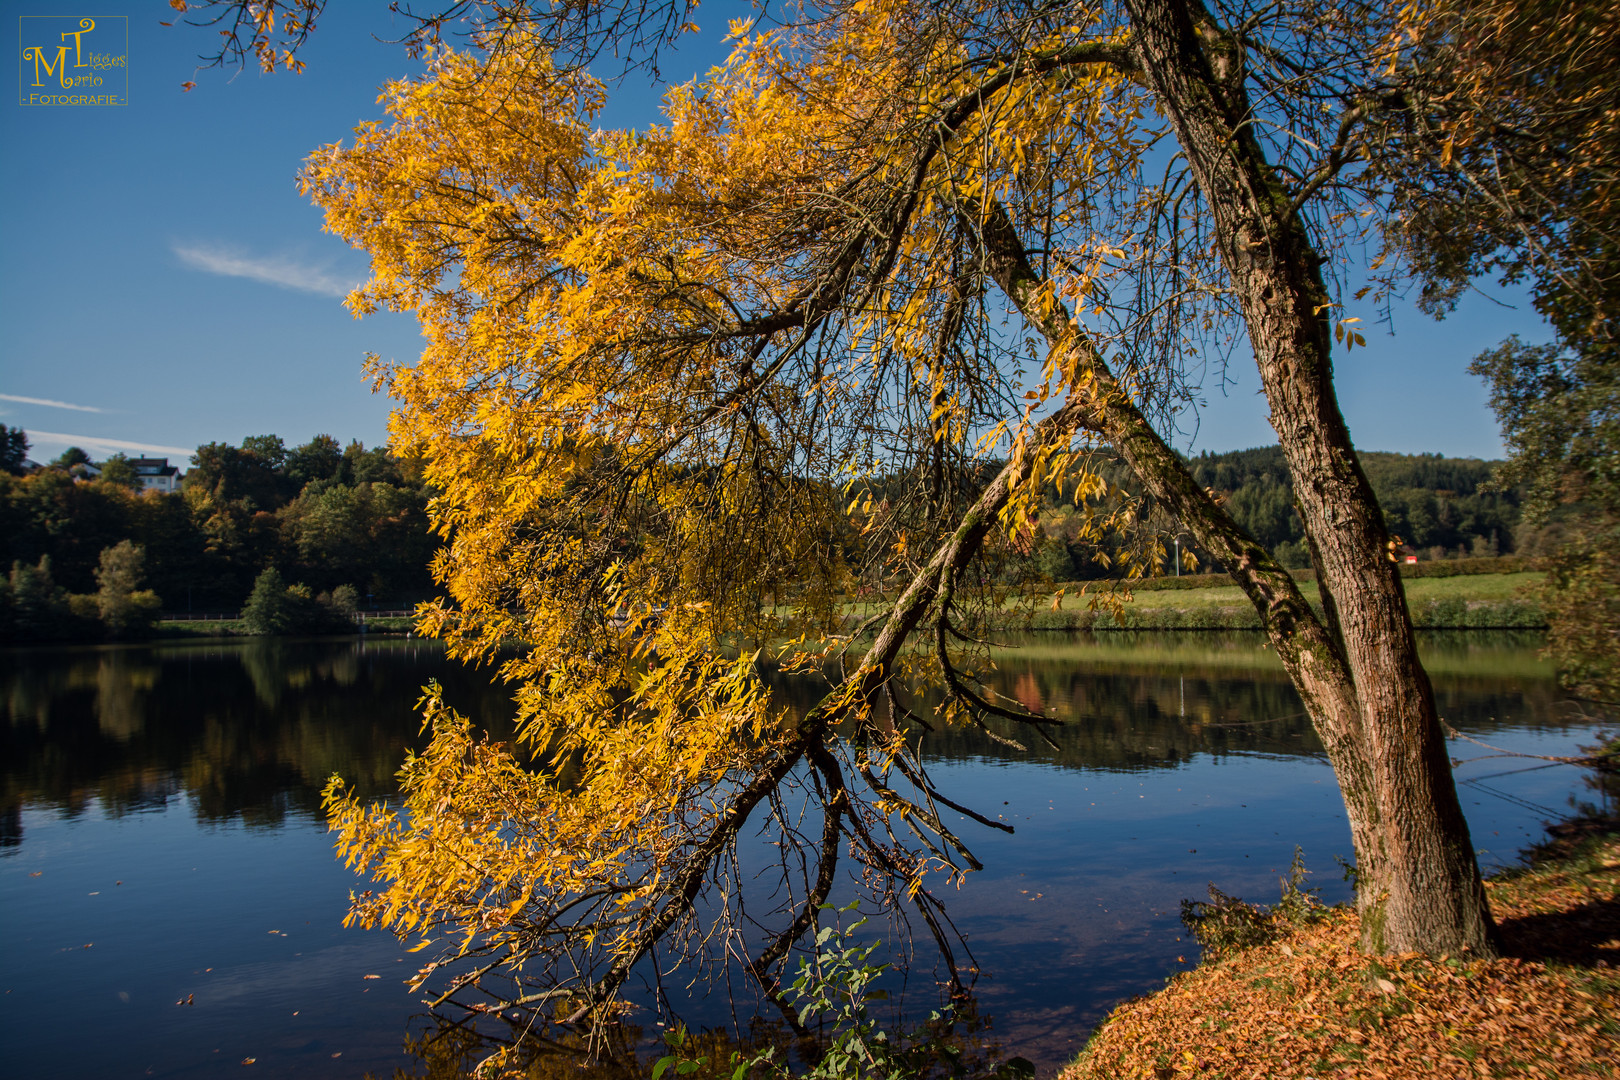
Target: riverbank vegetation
(327, 518)
(324, 516)
(33, 607)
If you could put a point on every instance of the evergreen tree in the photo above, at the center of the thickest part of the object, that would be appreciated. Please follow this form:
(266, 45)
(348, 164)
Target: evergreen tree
(13, 449)
(270, 607)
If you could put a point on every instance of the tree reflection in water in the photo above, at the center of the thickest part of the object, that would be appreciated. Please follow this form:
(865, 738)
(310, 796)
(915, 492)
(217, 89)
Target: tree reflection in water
(1168, 736)
(452, 1046)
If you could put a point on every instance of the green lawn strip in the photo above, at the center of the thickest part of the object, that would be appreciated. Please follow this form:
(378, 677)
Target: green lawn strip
(1473, 601)
(1477, 601)
(199, 628)
(1471, 588)
(213, 628)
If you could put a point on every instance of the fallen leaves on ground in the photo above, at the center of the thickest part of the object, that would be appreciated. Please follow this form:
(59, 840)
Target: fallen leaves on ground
(1311, 1005)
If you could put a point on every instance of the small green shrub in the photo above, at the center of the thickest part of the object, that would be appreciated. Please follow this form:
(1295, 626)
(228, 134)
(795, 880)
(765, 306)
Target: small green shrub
(1225, 924)
(834, 990)
(1456, 613)
(274, 607)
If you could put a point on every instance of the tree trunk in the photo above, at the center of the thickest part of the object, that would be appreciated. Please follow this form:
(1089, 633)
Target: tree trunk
(1418, 886)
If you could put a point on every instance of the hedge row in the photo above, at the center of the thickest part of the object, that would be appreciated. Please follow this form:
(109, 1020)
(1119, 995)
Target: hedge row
(1449, 614)
(1503, 564)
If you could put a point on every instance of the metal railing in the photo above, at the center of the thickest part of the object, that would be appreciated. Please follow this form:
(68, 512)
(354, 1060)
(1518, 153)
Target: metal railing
(233, 616)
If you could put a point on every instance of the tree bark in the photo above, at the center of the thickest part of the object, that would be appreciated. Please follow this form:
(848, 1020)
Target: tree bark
(1418, 886)
(1313, 660)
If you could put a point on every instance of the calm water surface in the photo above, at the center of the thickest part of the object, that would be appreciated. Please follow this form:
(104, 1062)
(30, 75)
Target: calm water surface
(161, 840)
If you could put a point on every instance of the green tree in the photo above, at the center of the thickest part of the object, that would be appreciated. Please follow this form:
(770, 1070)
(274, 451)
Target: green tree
(1504, 157)
(118, 472)
(319, 459)
(268, 449)
(1560, 416)
(377, 465)
(1520, 135)
(53, 514)
(271, 609)
(374, 533)
(344, 601)
(225, 474)
(274, 607)
(233, 494)
(125, 609)
(33, 607)
(178, 566)
(69, 458)
(13, 450)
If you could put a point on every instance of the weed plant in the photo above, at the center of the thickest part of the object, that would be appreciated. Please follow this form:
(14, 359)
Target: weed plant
(834, 993)
(1225, 924)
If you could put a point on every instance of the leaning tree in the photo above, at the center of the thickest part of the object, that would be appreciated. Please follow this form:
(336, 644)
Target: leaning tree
(684, 388)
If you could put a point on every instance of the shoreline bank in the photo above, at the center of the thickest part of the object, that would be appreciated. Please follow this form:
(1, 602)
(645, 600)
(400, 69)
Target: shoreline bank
(1307, 1003)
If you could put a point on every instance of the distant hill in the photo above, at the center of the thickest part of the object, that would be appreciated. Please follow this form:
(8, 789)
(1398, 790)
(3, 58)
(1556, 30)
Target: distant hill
(1436, 504)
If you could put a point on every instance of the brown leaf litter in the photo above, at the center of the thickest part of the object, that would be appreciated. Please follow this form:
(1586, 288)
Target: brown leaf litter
(1310, 1005)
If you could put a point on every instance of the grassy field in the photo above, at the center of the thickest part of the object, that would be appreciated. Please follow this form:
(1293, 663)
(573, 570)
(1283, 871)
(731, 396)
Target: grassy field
(1473, 601)
(1465, 602)
(1459, 653)
(1477, 601)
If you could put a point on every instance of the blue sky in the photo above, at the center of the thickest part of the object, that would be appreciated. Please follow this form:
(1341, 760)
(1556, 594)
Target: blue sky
(163, 284)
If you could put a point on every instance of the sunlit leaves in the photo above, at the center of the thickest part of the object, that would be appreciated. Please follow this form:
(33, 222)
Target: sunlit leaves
(665, 374)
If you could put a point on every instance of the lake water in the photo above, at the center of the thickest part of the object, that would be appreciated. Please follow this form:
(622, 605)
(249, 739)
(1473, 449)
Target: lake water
(172, 907)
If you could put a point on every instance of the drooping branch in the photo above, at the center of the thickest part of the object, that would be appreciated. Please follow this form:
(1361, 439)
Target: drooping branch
(1306, 647)
(1288, 618)
(676, 899)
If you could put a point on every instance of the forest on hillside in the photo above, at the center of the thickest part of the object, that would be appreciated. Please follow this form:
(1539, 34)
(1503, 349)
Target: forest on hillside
(327, 516)
(1439, 507)
(324, 515)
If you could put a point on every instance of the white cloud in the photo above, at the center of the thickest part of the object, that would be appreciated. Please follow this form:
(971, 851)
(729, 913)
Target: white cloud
(278, 270)
(47, 401)
(98, 447)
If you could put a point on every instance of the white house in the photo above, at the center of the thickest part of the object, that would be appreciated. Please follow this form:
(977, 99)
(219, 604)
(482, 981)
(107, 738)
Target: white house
(156, 474)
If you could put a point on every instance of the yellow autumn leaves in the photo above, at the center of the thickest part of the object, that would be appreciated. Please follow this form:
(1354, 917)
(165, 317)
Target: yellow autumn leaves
(655, 365)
